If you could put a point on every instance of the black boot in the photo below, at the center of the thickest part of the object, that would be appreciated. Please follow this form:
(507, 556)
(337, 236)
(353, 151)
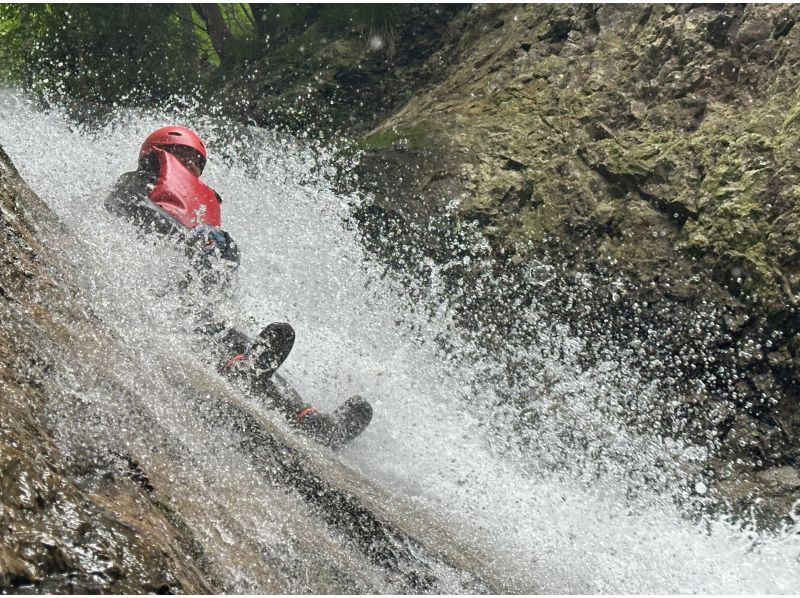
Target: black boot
(264, 355)
(345, 424)
(271, 347)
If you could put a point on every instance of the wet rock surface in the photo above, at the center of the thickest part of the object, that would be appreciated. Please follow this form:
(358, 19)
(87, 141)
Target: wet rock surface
(100, 532)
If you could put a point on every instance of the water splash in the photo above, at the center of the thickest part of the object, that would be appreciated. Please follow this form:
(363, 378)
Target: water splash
(575, 500)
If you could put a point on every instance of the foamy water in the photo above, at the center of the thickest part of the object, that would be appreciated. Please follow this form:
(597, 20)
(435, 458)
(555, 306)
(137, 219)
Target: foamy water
(578, 503)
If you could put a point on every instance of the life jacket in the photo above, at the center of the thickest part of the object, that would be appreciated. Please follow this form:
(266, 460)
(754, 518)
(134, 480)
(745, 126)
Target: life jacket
(181, 194)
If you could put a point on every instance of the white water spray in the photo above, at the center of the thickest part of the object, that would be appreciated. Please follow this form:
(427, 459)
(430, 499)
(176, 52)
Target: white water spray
(584, 505)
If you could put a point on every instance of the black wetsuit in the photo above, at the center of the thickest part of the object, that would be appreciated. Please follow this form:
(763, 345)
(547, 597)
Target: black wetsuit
(129, 200)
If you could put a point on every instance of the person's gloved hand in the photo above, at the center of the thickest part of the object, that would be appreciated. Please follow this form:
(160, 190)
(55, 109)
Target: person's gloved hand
(210, 241)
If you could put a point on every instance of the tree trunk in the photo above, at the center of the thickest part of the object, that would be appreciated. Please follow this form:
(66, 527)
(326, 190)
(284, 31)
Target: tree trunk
(261, 17)
(218, 30)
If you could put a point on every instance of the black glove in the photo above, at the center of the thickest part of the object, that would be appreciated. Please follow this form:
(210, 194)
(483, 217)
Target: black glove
(207, 241)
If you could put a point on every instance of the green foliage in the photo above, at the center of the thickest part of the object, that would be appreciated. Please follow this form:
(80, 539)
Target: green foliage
(104, 53)
(239, 18)
(277, 23)
(245, 45)
(133, 53)
(274, 22)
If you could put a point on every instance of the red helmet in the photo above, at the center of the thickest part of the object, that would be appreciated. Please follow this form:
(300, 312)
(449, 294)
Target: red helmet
(173, 135)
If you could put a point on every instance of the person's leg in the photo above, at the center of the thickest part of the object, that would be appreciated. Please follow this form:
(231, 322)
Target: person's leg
(260, 357)
(256, 363)
(336, 429)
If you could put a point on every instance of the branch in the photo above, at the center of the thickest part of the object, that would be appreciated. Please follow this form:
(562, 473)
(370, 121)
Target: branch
(246, 10)
(190, 21)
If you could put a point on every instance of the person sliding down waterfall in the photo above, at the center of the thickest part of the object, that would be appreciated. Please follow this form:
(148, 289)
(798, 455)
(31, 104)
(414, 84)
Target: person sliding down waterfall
(165, 196)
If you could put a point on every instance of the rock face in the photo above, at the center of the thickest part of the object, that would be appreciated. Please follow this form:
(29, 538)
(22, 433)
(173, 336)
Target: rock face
(651, 148)
(64, 530)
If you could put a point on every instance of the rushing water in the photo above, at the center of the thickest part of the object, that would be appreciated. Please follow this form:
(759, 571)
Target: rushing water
(577, 503)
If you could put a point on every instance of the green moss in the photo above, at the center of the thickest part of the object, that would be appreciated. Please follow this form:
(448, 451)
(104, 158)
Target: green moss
(709, 173)
(640, 154)
(534, 225)
(380, 140)
(549, 66)
(793, 118)
(419, 136)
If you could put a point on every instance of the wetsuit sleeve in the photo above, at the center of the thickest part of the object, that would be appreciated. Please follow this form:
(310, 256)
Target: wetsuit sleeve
(128, 199)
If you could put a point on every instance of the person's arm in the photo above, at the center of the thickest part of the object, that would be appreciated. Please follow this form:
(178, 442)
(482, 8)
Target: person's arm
(128, 199)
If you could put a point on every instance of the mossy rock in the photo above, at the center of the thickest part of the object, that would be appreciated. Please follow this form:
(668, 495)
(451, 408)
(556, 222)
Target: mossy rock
(421, 135)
